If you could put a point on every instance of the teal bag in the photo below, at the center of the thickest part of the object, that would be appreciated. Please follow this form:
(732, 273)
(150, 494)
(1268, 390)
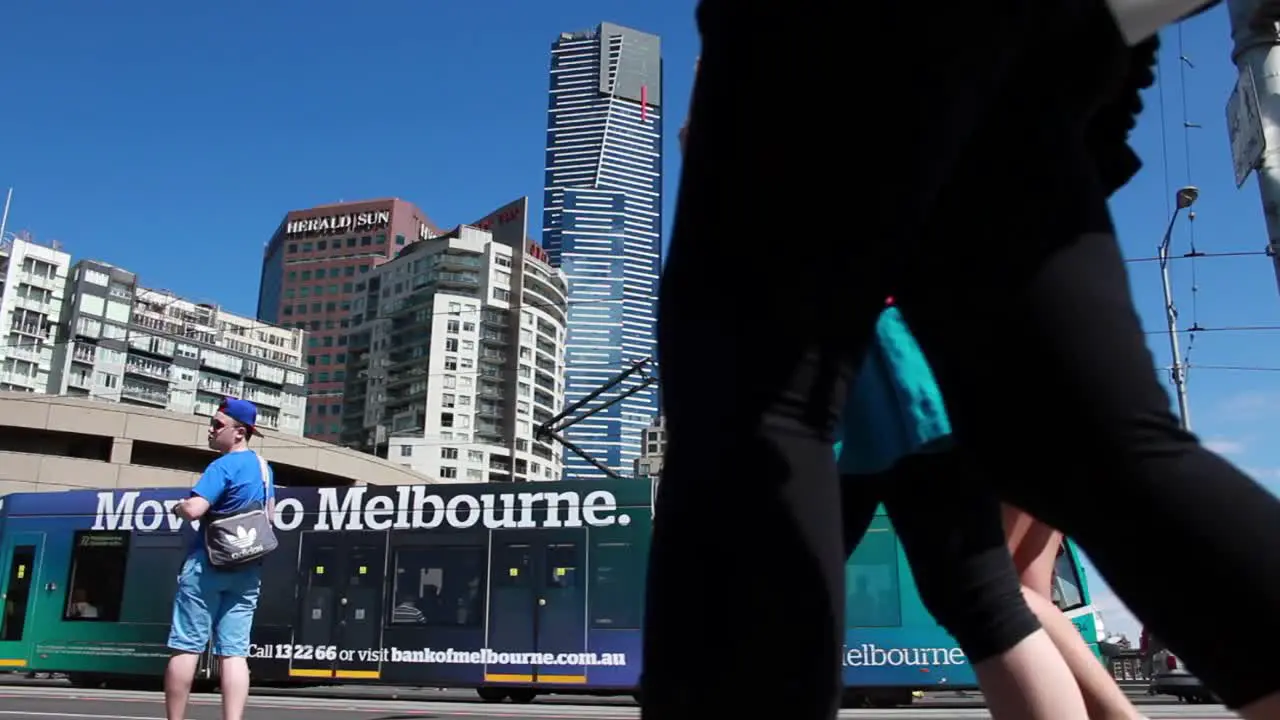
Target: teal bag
(894, 407)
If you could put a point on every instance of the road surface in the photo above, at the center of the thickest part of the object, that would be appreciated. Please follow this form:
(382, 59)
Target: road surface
(51, 703)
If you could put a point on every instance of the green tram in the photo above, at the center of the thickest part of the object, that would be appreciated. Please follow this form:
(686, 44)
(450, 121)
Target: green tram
(512, 592)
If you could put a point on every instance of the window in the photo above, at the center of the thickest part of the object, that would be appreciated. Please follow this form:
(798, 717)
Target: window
(406, 450)
(440, 586)
(1066, 582)
(96, 584)
(449, 453)
(617, 575)
(871, 592)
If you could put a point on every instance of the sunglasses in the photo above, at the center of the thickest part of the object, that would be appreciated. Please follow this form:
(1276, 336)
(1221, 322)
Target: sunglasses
(217, 424)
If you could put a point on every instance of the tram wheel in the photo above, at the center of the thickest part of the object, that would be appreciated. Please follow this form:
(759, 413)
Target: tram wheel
(83, 680)
(523, 696)
(493, 695)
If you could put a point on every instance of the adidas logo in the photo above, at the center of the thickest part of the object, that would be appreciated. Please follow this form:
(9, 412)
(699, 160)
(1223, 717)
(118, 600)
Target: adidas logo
(243, 538)
(245, 542)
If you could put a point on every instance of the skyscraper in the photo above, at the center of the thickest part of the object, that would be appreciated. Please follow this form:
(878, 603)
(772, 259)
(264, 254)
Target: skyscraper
(602, 224)
(310, 268)
(456, 355)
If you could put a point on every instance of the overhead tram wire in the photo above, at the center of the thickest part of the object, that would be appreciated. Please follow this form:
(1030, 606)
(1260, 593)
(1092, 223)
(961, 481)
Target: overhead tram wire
(1184, 63)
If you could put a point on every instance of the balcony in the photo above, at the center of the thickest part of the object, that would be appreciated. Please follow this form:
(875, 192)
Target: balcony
(40, 280)
(261, 371)
(268, 418)
(26, 351)
(30, 328)
(262, 396)
(84, 353)
(16, 378)
(157, 324)
(144, 393)
(218, 386)
(39, 305)
(147, 368)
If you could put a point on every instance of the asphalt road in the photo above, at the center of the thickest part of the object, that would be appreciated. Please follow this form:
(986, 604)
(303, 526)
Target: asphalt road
(50, 703)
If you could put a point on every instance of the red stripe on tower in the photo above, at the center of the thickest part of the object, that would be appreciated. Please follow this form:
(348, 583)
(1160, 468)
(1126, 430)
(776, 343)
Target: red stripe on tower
(644, 101)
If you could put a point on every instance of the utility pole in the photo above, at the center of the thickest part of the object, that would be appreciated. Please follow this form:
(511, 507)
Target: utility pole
(1253, 112)
(1185, 198)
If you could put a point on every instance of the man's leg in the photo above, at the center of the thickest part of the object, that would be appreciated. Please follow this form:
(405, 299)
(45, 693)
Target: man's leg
(188, 637)
(234, 624)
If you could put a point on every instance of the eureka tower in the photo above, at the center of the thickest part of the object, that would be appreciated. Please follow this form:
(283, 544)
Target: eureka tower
(602, 222)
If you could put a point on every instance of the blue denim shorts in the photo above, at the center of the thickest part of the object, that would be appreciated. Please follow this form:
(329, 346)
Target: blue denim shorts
(214, 603)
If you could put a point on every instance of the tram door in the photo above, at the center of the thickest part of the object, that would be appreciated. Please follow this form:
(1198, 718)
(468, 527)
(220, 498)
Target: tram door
(338, 633)
(538, 604)
(19, 560)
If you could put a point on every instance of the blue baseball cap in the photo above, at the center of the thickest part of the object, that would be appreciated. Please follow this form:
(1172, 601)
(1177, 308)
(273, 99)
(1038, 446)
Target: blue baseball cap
(243, 412)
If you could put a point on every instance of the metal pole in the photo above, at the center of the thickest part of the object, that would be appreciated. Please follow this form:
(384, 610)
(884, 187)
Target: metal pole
(1256, 51)
(1171, 318)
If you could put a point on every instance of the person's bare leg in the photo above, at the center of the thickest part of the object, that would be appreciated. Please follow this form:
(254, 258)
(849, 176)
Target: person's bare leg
(1034, 547)
(953, 539)
(1030, 681)
(235, 687)
(178, 676)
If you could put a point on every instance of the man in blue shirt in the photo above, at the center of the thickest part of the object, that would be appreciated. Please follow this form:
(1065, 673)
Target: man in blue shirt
(219, 603)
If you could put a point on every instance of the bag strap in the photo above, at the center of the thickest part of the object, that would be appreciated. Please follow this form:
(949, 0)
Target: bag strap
(266, 485)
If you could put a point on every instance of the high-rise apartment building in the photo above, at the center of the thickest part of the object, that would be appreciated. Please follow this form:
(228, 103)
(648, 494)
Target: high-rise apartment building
(653, 449)
(602, 225)
(456, 355)
(125, 343)
(33, 279)
(309, 272)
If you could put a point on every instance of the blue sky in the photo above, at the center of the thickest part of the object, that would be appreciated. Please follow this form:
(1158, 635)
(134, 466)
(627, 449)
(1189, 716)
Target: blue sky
(170, 138)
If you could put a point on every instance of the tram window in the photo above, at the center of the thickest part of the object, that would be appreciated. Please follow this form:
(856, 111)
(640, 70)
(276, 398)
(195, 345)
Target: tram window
(617, 591)
(562, 566)
(1066, 582)
(511, 565)
(441, 585)
(871, 594)
(96, 586)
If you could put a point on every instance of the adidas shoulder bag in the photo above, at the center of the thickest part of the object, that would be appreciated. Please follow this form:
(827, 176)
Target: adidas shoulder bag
(244, 537)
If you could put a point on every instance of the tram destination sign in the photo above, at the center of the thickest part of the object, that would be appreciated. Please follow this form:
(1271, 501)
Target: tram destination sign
(406, 508)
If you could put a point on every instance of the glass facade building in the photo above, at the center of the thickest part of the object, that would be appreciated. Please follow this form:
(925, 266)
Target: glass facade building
(602, 226)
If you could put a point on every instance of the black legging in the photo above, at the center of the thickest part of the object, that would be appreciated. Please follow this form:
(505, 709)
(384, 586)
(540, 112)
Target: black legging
(794, 221)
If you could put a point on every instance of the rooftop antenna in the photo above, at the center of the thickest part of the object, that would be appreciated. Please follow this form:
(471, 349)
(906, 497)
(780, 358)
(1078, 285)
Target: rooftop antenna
(4, 219)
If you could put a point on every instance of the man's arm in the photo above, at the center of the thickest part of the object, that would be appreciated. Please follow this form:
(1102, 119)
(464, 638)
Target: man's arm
(204, 494)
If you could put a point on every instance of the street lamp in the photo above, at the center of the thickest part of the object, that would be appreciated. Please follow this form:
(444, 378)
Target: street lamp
(1183, 199)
